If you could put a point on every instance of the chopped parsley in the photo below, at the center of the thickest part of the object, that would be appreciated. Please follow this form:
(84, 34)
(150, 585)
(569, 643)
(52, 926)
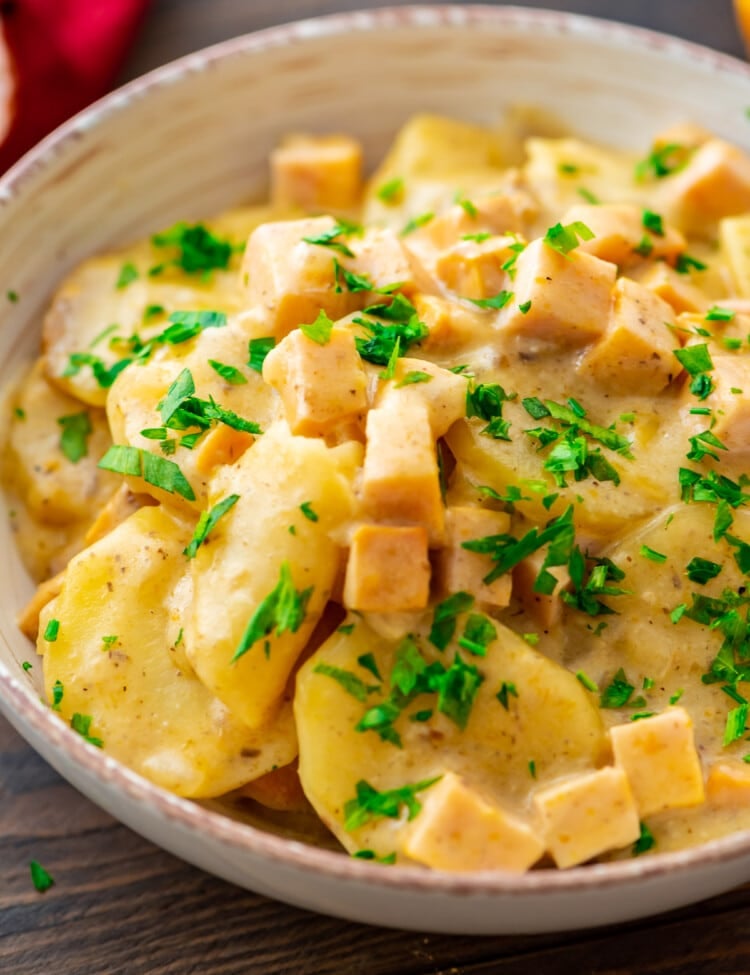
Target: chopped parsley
(320, 330)
(350, 682)
(207, 522)
(258, 349)
(366, 660)
(81, 723)
(702, 570)
(58, 691)
(662, 162)
(507, 690)
(388, 858)
(76, 430)
(590, 579)
(354, 282)
(478, 633)
(685, 264)
(157, 471)
(498, 301)
(444, 618)
(587, 682)
(588, 196)
(128, 274)
(199, 251)
(369, 803)
(618, 693)
(51, 630)
(384, 341)
(391, 192)
(413, 377)
(566, 238)
(307, 510)
(331, 238)
(230, 374)
(282, 610)
(695, 359)
(41, 880)
(736, 724)
(525, 308)
(506, 551)
(653, 222)
(12, 296)
(717, 314)
(416, 222)
(645, 841)
(652, 554)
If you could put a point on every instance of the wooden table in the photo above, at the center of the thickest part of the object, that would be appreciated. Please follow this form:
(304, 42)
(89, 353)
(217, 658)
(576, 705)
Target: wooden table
(123, 907)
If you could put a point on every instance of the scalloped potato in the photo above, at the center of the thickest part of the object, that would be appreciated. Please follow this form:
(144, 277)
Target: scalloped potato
(417, 505)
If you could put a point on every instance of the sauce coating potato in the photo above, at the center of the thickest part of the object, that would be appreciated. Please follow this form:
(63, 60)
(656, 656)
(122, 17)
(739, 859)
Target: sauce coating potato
(428, 512)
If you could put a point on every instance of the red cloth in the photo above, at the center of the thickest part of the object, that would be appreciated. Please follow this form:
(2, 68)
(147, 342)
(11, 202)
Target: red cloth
(65, 54)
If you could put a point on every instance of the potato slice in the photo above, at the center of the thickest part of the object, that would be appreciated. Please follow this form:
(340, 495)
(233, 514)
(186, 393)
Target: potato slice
(244, 562)
(56, 490)
(145, 703)
(93, 306)
(135, 395)
(550, 721)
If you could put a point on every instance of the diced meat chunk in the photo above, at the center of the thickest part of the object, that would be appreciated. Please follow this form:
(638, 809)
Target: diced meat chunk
(457, 830)
(731, 410)
(474, 269)
(400, 481)
(545, 609)
(450, 324)
(659, 757)
(388, 569)
(509, 212)
(287, 281)
(460, 569)
(635, 350)
(715, 183)
(317, 172)
(420, 381)
(728, 784)
(222, 445)
(382, 259)
(620, 235)
(567, 296)
(589, 814)
(321, 386)
(674, 288)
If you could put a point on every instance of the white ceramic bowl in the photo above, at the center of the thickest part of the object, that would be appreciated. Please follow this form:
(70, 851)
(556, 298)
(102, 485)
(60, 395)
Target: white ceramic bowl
(192, 138)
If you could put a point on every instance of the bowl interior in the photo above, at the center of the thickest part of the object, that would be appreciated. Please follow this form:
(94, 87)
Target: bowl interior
(194, 137)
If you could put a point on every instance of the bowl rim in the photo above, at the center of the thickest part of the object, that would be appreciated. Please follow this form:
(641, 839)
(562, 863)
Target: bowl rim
(33, 717)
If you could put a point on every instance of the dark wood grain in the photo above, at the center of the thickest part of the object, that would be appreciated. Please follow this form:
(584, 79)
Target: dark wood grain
(122, 907)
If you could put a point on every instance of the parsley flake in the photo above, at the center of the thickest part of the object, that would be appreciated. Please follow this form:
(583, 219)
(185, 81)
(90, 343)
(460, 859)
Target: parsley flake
(207, 522)
(41, 880)
(157, 471)
(76, 430)
(230, 374)
(566, 238)
(258, 349)
(282, 610)
(369, 803)
(320, 330)
(330, 238)
(128, 274)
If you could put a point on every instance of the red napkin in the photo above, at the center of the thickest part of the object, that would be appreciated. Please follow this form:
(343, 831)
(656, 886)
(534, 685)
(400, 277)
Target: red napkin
(62, 54)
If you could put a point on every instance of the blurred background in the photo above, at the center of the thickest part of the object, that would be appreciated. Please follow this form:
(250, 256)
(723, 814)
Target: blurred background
(56, 56)
(174, 27)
